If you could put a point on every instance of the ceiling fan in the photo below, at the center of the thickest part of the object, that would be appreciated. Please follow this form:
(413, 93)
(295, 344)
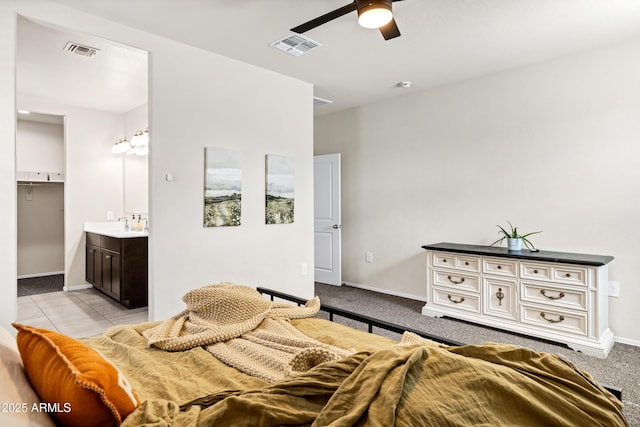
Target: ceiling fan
(371, 14)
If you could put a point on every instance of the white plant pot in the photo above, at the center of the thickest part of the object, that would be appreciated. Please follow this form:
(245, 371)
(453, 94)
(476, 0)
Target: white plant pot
(514, 244)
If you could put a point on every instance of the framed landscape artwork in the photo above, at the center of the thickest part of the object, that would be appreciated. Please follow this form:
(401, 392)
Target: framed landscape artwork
(279, 189)
(222, 187)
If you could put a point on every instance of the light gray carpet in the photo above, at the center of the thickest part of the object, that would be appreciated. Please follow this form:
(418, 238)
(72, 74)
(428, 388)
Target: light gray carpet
(620, 369)
(40, 285)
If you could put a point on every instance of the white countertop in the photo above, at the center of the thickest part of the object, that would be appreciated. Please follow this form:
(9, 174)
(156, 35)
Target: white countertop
(113, 229)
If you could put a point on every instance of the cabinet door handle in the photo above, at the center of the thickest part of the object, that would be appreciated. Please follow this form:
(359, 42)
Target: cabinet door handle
(456, 282)
(558, 320)
(535, 271)
(107, 256)
(544, 294)
(499, 267)
(454, 301)
(567, 275)
(500, 295)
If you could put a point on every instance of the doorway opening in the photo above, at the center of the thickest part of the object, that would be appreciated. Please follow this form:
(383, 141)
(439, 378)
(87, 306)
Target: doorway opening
(100, 98)
(40, 202)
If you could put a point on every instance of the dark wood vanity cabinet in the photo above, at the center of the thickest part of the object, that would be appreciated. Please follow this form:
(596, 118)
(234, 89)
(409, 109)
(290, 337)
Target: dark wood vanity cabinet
(118, 267)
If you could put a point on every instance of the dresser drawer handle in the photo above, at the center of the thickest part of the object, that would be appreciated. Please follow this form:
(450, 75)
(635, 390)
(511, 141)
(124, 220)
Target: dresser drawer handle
(558, 320)
(499, 267)
(456, 282)
(466, 263)
(454, 301)
(544, 294)
(567, 275)
(535, 271)
(444, 260)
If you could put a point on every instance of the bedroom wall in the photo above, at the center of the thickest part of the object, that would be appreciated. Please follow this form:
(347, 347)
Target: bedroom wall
(211, 101)
(550, 147)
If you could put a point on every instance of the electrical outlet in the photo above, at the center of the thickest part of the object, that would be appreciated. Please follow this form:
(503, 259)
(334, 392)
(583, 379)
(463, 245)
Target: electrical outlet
(304, 269)
(368, 256)
(614, 289)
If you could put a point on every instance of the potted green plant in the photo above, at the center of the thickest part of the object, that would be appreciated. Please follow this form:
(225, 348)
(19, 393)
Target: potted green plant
(514, 238)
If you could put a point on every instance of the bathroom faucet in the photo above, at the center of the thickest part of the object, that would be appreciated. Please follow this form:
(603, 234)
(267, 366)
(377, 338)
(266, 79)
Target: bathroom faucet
(126, 222)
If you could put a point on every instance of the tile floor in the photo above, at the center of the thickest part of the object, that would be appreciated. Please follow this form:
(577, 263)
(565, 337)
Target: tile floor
(79, 314)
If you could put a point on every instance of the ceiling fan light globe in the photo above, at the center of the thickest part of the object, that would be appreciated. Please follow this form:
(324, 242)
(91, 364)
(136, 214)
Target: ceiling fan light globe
(375, 14)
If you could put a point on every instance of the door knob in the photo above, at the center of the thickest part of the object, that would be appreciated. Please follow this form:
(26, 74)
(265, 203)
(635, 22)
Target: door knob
(336, 226)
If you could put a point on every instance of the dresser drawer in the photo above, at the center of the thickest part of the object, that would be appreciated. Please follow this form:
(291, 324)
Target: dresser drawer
(530, 270)
(467, 263)
(456, 300)
(554, 319)
(554, 296)
(500, 298)
(455, 280)
(570, 274)
(500, 267)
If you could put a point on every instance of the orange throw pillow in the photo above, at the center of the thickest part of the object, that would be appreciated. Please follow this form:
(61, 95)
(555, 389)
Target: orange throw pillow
(77, 384)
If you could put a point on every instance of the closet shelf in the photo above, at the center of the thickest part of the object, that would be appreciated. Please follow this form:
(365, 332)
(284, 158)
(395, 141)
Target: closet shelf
(39, 176)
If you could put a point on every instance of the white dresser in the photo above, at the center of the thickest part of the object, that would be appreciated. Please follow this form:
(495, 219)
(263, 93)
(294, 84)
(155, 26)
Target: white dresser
(557, 296)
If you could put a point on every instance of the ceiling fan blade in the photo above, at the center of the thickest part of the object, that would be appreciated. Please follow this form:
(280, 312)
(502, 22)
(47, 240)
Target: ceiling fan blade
(390, 30)
(325, 18)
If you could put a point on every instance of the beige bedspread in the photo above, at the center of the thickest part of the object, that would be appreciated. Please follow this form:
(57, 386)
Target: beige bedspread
(380, 385)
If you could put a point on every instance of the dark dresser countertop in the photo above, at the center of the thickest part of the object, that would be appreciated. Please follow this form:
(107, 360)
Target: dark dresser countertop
(549, 256)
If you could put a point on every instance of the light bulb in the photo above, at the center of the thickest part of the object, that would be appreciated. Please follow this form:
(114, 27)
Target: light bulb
(375, 17)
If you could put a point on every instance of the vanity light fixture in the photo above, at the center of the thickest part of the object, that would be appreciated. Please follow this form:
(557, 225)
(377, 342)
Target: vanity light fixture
(139, 144)
(121, 146)
(140, 138)
(374, 13)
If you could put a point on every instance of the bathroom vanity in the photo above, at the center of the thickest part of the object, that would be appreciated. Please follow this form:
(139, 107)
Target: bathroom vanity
(117, 264)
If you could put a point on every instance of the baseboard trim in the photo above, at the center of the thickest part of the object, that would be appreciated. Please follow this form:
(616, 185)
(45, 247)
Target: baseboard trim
(77, 287)
(627, 341)
(621, 340)
(50, 273)
(386, 291)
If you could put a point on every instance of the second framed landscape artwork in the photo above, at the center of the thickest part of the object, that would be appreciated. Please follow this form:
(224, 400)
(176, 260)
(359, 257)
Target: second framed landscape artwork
(279, 189)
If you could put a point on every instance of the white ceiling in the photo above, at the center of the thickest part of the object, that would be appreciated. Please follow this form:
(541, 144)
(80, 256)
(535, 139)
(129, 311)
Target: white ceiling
(443, 41)
(115, 79)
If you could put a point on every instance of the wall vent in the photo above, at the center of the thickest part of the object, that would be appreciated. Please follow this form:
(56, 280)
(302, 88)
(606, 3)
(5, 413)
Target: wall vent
(295, 44)
(80, 49)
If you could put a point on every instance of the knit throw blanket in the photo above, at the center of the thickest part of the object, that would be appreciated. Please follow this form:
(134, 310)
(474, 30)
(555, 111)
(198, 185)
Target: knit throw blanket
(245, 331)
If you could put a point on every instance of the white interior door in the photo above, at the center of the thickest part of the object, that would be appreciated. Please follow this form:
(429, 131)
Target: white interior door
(327, 226)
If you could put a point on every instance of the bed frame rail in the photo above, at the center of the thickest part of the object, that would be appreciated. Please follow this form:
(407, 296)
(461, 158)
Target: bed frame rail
(377, 323)
(369, 321)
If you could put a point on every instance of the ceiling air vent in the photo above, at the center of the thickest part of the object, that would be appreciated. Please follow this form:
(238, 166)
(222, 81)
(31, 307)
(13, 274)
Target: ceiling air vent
(295, 44)
(80, 49)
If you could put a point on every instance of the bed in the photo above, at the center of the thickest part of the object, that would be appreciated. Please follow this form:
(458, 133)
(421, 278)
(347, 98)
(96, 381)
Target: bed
(373, 380)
